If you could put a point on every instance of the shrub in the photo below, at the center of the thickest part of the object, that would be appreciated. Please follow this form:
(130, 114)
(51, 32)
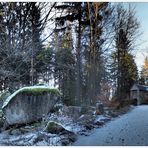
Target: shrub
(53, 127)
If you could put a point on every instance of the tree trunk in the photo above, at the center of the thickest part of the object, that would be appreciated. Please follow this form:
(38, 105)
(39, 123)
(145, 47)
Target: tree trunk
(78, 64)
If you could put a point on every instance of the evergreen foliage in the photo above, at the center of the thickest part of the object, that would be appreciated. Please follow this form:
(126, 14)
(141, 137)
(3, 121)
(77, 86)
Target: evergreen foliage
(85, 37)
(144, 73)
(124, 69)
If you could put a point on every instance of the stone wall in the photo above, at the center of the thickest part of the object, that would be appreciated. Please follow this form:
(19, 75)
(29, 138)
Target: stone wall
(27, 108)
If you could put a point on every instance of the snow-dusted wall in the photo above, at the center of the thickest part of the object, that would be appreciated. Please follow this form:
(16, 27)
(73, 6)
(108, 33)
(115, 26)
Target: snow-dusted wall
(27, 108)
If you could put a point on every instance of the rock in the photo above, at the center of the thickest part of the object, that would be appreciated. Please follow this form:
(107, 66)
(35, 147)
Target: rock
(85, 119)
(25, 130)
(2, 122)
(84, 134)
(89, 126)
(89, 110)
(72, 111)
(65, 142)
(75, 112)
(101, 119)
(29, 104)
(66, 132)
(1, 114)
(15, 132)
(106, 119)
(99, 109)
(54, 128)
(41, 137)
(99, 123)
(72, 138)
(69, 138)
(113, 114)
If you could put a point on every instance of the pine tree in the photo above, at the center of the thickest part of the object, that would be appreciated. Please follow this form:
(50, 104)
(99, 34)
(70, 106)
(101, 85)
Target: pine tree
(98, 16)
(144, 72)
(64, 73)
(21, 24)
(36, 45)
(91, 20)
(126, 29)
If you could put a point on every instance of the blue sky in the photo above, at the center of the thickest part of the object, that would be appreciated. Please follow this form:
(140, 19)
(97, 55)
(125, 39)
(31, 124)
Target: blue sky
(141, 9)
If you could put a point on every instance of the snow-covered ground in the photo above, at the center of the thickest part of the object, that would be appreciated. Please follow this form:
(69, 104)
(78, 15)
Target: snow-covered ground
(38, 136)
(29, 139)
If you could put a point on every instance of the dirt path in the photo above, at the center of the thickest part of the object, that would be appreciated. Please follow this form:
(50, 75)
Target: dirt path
(128, 129)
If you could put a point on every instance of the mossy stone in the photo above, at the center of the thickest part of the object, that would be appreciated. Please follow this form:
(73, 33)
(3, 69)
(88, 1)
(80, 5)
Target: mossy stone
(54, 128)
(39, 91)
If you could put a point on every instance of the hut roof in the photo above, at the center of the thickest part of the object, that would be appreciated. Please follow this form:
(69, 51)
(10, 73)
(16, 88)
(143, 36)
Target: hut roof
(139, 87)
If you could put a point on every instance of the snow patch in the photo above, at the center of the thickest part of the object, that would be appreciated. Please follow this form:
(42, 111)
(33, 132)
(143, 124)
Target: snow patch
(100, 118)
(54, 141)
(66, 123)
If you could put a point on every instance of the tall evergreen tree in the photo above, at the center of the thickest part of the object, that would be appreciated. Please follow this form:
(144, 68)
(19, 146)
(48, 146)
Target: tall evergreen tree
(144, 72)
(64, 68)
(73, 13)
(36, 45)
(21, 24)
(126, 28)
(98, 16)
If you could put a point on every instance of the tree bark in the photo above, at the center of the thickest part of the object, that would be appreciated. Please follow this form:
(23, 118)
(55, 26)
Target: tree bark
(78, 64)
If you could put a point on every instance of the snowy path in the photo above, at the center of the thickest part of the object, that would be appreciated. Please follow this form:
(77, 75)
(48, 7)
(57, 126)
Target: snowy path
(128, 129)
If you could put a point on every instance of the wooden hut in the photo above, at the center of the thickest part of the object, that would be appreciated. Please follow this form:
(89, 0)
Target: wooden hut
(139, 93)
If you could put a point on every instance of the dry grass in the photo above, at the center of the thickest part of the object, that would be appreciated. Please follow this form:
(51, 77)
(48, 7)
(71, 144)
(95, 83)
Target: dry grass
(118, 104)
